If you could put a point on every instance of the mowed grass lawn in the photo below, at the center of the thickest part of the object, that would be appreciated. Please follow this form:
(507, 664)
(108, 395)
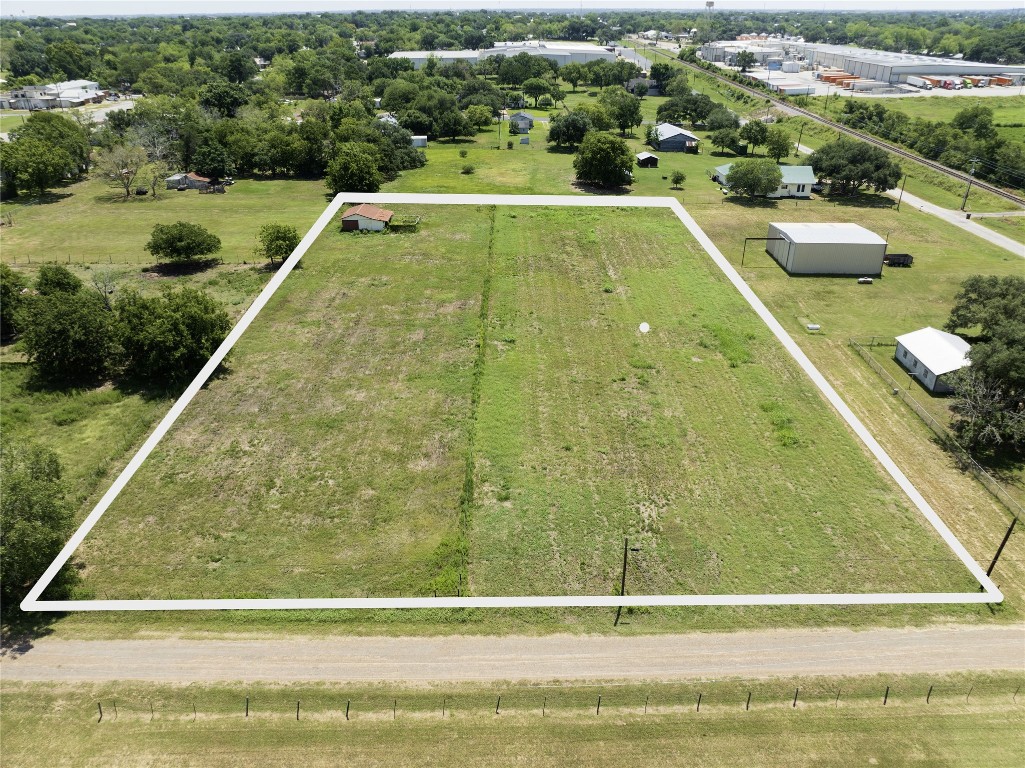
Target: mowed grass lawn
(330, 459)
(333, 458)
(89, 222)
(656, 724)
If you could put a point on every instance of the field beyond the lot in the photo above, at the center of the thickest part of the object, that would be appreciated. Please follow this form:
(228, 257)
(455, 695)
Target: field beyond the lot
(836, 722)
(472, 408)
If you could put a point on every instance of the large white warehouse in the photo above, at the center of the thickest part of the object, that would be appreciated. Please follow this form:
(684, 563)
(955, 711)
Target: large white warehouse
(826, 249)
(558, 51)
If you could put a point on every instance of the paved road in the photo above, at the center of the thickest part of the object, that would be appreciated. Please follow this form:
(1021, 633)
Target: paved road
(793, 653)
(958, 219)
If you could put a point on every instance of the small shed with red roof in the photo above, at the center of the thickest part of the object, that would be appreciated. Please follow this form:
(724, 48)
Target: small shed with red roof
(366, 216)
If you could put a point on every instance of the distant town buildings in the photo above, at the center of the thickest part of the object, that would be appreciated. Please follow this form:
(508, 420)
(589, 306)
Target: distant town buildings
(560, 52)
(73, 93)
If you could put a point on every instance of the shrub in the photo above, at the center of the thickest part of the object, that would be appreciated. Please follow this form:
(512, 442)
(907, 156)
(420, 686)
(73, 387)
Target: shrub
(468, 169)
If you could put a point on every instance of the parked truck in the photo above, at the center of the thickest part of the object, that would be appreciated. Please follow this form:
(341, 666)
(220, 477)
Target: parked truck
(919, 82)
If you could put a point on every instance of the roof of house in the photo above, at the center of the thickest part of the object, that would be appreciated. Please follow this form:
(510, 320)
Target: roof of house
(792, 174)
(668, 130)
(797, 174)
(939, 351)
(804, 232)
(646, 155)
(517, 115)
(196, 177)
(368, 211)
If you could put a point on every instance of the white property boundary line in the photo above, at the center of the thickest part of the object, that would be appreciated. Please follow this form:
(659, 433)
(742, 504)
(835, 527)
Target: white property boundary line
(990, 592)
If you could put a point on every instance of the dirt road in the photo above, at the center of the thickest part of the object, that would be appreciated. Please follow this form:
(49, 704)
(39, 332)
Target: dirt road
(797, 653)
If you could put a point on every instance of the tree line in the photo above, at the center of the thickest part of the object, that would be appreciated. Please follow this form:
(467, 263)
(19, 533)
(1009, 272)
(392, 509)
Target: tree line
(969, 141)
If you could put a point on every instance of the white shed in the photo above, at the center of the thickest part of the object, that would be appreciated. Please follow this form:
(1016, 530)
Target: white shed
(365, 216)
(826, 249)
(418, 141)
(928, 354)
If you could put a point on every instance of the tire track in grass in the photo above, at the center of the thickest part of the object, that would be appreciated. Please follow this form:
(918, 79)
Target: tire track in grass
(452, 556)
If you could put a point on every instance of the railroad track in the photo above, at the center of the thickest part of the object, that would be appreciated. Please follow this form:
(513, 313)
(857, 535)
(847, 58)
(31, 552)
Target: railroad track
(899, 151)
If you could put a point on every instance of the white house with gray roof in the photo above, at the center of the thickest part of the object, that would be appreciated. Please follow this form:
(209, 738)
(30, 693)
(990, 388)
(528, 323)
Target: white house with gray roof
(797, 180)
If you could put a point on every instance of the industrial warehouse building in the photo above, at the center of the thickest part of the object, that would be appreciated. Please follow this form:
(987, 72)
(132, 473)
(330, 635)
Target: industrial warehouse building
(826, 249)
(928, 354)
(890, 67)
(560, 52)
(882, 67)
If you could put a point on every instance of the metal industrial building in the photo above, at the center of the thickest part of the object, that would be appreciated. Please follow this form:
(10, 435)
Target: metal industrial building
(826, 249)
(868, 64)
(558, 51)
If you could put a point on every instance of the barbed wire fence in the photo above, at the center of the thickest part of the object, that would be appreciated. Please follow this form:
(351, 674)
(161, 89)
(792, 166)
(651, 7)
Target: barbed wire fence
(543, 701)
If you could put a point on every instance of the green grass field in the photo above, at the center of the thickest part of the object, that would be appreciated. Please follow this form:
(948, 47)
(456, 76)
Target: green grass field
(654, 724)
(920, 296)
(336, 458)
(90, 223)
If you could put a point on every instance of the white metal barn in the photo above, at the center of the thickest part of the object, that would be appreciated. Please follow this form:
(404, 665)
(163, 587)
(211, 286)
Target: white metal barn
(826, 249)
(928, 354)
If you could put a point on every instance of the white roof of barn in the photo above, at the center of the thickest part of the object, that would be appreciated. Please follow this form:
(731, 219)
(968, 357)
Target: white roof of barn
(645, 155)
(805, 232)
(667, 130)
(939, 351)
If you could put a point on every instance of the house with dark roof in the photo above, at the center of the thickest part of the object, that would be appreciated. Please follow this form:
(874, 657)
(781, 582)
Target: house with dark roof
(672, 138)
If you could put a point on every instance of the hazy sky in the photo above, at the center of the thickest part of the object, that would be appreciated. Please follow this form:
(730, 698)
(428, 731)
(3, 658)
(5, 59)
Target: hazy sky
(176, 7)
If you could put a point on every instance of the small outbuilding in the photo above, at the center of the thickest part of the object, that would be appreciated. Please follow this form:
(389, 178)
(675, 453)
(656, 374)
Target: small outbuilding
(672, 138)
(647, 160)
(365, 217)
(419, 141)
(187, 181)
(929, 354)
(826, 249)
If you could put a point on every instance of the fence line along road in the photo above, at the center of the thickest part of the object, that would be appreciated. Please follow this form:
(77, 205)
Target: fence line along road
(868, 138)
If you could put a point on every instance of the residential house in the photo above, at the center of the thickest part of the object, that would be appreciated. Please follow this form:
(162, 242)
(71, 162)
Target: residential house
(671, 138)
(928, 355)
(797, 180)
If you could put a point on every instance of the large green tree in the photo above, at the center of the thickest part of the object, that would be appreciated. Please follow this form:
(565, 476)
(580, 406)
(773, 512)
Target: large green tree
(32, 165)
(850, 165)
(12, 300)
(277, 241)
(778, 143)
(990, 394)
(165, 340)
(182, 242)
(568, 129)
(53, 279)
(36, 519)
(624, 108)
(69, 337)
(754, 177)
(353, 169)
(755, 133)
(603, 160)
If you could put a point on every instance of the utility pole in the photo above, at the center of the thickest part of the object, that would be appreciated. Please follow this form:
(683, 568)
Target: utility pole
(622, 584)
(901, 195)
(964, 201)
